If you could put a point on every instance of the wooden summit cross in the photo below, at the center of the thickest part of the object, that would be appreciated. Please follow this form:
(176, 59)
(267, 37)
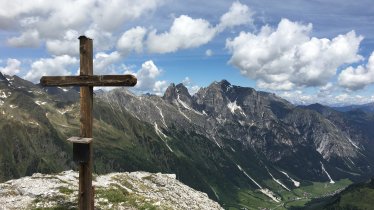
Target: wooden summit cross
(82, 146)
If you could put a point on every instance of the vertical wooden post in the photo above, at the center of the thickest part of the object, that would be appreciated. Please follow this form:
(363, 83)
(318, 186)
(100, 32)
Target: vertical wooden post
(86, 103)
(82, 146)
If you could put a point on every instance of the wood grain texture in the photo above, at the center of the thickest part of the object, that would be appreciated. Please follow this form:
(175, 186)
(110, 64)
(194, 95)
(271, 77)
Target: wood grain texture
(89, 80)
(86, 103)
(86, 80)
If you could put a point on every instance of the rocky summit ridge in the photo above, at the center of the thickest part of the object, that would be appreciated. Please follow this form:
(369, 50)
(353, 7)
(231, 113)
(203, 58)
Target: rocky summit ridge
(135, 190)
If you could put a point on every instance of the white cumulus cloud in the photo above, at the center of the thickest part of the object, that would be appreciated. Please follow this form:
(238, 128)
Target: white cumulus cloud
(331, 99)
(359, 77)
(29, 38)
(104, 63)
(42, 20)
(110, 14)
(238, 14)
(13, 67)
(187, 32)
(58, 66)
(192, 88)
(288, 57)
(148, 81)
(132, 40)
(69, 45)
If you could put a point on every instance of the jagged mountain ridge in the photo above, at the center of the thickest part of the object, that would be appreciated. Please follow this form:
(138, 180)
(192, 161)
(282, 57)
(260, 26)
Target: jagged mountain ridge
(258, 120)
(221, 139)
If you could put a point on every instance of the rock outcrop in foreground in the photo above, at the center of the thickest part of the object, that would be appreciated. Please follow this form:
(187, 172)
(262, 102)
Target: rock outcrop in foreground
(135, 190)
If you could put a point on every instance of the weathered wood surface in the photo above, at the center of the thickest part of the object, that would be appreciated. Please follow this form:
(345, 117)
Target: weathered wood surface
(89, 80)
(86, 80)
(86, 102)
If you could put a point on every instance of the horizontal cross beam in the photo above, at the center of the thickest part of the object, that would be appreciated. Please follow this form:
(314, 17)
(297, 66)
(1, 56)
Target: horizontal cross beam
(89, 80)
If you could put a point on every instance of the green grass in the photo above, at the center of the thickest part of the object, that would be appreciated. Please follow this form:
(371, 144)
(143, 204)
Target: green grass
(116, 195)
(60, 201)
(113, 195)
(296, 198)
(315, 190)
(66, 191)
(355, 197)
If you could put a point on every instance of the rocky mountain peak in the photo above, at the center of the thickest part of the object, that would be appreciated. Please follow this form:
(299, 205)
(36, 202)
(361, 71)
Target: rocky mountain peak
(224, 84)
(182, 90)
(170, 93)
(320, 108)
(3, 78)
(176, 93)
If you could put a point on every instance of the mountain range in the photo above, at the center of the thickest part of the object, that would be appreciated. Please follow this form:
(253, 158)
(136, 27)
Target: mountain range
(244, 148)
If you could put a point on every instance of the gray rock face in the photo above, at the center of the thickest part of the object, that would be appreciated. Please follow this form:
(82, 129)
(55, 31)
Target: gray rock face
(270, 125)
(3, 78)
(112, 191)
(222, 139)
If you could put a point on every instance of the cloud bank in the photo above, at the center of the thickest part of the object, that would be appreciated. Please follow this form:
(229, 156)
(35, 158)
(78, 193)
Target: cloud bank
(359, 77)
(55, 21)
(187, 32)
(148, 81)
(288, 57)
(13, 67)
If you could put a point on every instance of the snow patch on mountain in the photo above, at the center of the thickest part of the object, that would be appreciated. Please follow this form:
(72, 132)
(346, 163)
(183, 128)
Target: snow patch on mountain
(265, 191)
(34, 123)
(63, 89)
(215, 141)
(162, 116)
(270, 194)
(233, 106)
(353, 144)
(296, 183)
(245, 173)
(159, 132)
(182, 103)
(186, 106)
(3, 95)
(324, 170)
(40, 103)
(162, 136)
(184, 115)
(278, 181)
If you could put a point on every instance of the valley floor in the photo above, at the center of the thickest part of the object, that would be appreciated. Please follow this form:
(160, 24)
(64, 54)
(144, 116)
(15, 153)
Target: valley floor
(294, 199)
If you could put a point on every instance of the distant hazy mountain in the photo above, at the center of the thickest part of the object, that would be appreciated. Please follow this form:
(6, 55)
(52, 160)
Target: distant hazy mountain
(228, 141)
(364, 107)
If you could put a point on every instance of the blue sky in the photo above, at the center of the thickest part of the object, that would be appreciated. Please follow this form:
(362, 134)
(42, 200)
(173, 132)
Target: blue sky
(306, 51)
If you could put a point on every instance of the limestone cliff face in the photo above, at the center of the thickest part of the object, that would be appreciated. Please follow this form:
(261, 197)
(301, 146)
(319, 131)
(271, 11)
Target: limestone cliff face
(136, 190)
